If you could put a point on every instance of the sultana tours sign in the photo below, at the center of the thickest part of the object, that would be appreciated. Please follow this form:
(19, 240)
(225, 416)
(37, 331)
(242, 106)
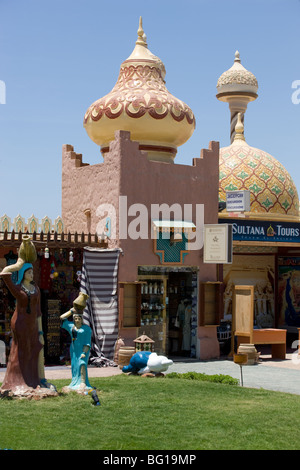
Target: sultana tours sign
(264, 231)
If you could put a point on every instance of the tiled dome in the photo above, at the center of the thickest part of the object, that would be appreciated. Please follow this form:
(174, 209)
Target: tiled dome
(272, 190)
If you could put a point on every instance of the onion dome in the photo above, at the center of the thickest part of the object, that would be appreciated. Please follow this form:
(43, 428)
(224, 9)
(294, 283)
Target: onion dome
(140, 103)
(237, 80)
(273, 193)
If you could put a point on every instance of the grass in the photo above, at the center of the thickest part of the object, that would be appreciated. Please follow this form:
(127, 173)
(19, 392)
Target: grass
(139, 413)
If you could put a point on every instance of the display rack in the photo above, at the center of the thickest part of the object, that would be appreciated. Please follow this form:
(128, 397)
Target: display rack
(153, 310)
(53, 329)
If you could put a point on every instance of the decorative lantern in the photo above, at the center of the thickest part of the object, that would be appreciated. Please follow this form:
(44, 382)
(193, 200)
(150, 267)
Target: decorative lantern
(144, 343)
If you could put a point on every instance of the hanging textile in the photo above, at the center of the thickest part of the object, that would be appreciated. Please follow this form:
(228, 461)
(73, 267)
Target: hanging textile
(99, 280)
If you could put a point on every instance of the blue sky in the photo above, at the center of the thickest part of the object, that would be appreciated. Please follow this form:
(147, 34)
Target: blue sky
(59, 56)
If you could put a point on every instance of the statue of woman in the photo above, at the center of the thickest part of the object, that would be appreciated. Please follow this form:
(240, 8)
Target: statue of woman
(25, 368)
(26, 326)
(81, 343)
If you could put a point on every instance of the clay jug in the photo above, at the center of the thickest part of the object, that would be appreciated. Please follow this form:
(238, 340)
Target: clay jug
(27, 251)
(81, 300)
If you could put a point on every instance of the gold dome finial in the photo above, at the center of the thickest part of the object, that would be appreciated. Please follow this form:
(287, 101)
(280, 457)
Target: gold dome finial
(141, 40)
(239, 128)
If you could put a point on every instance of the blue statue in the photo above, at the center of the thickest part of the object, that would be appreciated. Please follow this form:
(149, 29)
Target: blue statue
(143, 362)
(81, 344)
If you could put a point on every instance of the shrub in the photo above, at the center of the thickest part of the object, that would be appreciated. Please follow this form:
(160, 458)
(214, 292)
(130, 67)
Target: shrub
(216, 378)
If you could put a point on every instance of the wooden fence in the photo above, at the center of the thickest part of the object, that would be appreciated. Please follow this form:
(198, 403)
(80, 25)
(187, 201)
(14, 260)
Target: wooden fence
(53, 239)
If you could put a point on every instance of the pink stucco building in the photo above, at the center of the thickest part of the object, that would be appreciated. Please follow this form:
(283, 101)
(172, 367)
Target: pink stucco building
(148, 206)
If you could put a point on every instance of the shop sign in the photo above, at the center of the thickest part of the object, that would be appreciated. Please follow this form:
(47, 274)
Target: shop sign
(217, 243)
(264, 231)
(237, 201)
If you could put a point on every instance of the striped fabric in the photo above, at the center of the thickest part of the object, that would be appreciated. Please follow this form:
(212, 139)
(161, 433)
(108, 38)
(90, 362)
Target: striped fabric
(100, 280)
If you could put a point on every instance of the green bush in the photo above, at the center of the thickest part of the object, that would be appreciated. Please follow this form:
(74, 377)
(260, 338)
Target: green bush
(217, 378)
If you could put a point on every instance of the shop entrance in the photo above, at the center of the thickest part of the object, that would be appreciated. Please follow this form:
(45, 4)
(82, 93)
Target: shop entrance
(175, 290)
(182, 317)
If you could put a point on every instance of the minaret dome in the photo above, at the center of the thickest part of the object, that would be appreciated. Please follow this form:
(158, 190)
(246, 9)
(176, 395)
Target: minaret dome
(140, 103)
(237, 87)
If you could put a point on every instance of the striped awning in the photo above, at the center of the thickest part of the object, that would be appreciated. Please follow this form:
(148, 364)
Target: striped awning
(100, 281)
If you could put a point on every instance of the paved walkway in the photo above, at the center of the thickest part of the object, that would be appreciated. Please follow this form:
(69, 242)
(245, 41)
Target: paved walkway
(277, 375)
(282, 376)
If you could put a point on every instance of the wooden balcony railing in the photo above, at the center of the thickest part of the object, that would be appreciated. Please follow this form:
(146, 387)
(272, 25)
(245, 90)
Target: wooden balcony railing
(53, 239)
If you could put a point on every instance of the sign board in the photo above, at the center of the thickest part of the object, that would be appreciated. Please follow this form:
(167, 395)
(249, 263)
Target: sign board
(217, 243)
(243, 310)
(238, 201)
(263, 231)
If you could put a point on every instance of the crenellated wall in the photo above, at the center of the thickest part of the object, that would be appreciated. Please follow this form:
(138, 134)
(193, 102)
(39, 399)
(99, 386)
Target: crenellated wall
(85, 187)
(127, 172)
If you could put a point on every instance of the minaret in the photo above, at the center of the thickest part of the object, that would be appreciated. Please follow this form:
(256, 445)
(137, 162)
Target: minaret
(237, 86)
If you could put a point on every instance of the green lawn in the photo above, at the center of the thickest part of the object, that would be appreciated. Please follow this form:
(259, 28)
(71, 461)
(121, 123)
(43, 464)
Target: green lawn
(153, 414)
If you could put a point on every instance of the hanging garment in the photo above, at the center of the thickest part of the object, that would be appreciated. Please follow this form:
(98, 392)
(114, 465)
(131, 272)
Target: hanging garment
(180, 315)
(186, 332)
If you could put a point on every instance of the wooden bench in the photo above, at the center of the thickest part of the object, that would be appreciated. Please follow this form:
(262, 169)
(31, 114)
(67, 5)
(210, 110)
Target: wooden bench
(276, 338)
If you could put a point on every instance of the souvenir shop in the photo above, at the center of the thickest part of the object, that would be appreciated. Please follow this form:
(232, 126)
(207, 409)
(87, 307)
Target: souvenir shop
(175, 307)
(169, 308)
(57, 272)
(266, 255)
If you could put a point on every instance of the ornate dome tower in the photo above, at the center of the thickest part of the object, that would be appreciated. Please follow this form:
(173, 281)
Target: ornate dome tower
(273, 193)
(140, 103)
(237, 86)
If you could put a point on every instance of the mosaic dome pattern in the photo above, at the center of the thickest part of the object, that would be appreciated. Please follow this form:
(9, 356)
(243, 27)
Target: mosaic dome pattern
(271, 187)
(241, 77)
(237, 79)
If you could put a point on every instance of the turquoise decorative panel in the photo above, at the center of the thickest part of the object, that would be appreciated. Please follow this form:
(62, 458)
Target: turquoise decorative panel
(170, 253)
